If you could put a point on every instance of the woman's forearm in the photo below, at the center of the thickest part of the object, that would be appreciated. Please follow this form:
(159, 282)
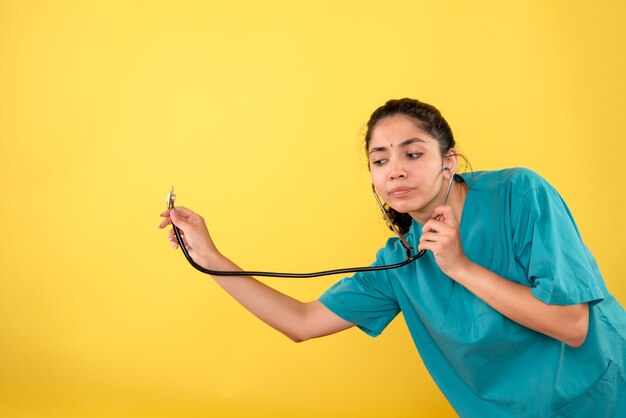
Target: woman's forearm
(567, 324)
(276, 309)
(297, 320)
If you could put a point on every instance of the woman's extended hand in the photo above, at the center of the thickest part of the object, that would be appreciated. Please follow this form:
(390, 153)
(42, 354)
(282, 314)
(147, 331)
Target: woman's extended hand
(194, 233)
(443, 239)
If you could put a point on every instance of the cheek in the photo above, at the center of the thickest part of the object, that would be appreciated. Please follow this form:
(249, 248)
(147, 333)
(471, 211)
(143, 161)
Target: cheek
(378, 179)
(428, 173)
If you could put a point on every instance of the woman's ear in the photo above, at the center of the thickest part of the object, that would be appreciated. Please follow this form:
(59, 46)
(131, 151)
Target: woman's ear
(450, 162)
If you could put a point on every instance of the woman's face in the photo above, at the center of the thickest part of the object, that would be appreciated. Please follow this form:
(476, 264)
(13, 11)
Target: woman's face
(406, 167)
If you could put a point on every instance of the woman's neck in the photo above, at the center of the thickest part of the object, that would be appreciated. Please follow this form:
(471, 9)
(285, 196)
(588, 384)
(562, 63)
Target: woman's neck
(456, 200)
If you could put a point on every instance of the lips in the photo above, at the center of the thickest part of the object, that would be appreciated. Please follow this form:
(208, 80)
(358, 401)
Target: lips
(399, 191)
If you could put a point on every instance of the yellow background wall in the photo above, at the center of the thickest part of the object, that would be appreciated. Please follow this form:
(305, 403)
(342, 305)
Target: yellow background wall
(255, 110)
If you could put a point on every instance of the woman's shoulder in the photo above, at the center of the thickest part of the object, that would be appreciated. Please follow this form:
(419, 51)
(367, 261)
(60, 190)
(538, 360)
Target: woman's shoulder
(517, 179)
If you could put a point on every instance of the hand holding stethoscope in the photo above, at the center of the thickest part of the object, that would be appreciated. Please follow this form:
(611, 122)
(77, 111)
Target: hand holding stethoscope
(195, 235)
(441, 236)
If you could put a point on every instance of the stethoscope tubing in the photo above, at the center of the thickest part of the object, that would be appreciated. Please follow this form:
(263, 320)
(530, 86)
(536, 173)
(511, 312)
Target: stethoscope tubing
(406, 246)
(289, 275)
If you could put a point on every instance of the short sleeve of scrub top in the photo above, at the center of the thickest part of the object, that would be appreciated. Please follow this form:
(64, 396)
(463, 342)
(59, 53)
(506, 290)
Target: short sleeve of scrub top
(559, 267)
(365, 299)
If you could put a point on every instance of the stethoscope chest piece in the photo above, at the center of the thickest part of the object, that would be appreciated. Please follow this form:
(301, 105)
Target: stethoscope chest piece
(171, 197)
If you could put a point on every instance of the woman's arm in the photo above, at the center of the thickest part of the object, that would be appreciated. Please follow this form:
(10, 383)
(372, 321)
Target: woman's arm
(567, 324)
(297, 320)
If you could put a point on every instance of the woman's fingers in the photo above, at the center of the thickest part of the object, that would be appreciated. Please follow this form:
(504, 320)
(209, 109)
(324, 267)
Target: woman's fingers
(165, 222)
(435, 226)
(444, 213)
(172, 237)
(184, 213)
(442, 221)
(178, 219)
(435, 237)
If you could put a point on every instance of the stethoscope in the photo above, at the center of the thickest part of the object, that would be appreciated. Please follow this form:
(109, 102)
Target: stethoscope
(171, 197)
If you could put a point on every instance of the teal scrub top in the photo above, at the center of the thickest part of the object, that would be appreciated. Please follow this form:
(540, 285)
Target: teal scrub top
(516, 225)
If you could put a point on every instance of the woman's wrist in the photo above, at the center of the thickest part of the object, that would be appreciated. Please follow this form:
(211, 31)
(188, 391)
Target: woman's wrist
(460, 270)
(216, 261)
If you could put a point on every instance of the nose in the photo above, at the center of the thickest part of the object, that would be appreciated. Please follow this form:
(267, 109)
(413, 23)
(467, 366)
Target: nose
(396, 169)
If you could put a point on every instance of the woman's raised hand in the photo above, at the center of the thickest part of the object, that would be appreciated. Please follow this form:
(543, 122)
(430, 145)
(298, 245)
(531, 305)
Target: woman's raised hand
(194, 233)
(441, 236)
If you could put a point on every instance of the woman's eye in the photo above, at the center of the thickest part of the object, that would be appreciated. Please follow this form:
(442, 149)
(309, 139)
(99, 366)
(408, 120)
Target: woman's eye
(379, 162)
(414, 155)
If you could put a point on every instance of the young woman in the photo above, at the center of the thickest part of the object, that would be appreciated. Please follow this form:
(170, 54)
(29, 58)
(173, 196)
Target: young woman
(508, 308)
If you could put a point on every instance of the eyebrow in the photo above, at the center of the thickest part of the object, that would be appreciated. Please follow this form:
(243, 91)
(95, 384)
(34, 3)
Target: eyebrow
(402, 144)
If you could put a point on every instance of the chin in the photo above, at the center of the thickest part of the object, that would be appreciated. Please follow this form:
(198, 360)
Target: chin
(404, 207)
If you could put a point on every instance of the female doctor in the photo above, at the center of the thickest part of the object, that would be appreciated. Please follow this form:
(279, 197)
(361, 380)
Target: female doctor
(507, 309)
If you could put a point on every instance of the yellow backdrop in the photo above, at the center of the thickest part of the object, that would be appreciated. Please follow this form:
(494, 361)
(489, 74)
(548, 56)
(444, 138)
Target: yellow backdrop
(254, 111)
